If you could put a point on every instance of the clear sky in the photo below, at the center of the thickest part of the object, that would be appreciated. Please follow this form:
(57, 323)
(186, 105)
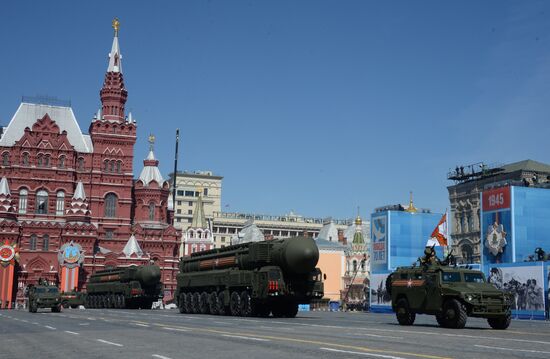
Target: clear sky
(311, 106)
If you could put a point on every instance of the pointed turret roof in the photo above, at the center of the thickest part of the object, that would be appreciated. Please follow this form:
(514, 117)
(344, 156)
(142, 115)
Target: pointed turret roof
(199, 219)
(132, 247)
(358, 235)
(115, 57)
(78, 209)
(4, 187)
(7, 210)
(79, 192)
(150, 171)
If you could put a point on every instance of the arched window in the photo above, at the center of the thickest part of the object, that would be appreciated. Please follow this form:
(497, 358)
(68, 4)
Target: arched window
(39, 161)
(25, 159)
(80, 164)
(354, 266)
(23, 195)
(32, 245)
(45, 242)
(151, 211)
(60, 204)
(41, 202)
(203, 247)
(5, 159)
(112, 166)
(193, 248)
(47, 161)
(110, 205)
(119, 167)
(61, 163)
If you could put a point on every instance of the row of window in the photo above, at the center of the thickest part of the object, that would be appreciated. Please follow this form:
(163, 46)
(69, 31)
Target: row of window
(42, 160)
(112, 166)
(34, 240)
(190, 203)
(42, 203)
(191, 193)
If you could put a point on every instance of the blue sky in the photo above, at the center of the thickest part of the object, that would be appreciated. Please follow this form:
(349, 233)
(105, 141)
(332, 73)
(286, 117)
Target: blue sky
(311, 106)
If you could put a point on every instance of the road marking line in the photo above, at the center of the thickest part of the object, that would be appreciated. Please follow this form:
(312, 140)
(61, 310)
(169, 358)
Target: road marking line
(379, 336)
(513, 350)
(247, 338)
(110, 343)
(35, 323)
(141, 325)
(73, 333)
(47, 326)
(84, 324)
(361, 353)
(160, 356)
(176, 329)
(24, 321)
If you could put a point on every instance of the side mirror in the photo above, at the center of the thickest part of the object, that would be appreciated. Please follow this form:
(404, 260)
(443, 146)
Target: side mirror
(324, 276)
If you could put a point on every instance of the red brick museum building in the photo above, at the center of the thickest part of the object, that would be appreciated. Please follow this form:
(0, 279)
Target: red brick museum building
(62, 187)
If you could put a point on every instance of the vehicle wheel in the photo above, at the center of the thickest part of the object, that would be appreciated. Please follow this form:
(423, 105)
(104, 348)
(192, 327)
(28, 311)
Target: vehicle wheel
(246, 304)
(188, 303)
(403, 312)
(222, 310)
(32, 307)
(213, 303)
(65, 305)
(441, 320)
(74, 306)
(204, 303)
(291, 309)
(182, 303)
(263, 309)
(278, 310)
(235, 304)
(500, 322)
(196, 303)
(454, 314)
(56, 308)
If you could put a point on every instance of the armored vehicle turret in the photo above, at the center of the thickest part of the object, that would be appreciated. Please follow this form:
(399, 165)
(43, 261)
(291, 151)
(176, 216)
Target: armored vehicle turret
(44, 295)
(450, 293)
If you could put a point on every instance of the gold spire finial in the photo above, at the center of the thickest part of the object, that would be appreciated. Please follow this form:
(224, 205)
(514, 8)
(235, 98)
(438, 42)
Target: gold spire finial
(411, 208)
(116, 25)
(151, 141)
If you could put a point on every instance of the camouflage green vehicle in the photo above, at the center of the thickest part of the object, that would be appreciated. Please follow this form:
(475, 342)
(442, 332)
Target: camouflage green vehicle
(450, 293)
(72, 299)
(44, 295)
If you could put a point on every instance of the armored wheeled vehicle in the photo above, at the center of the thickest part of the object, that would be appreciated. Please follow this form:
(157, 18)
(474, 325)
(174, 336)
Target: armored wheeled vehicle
(251, 279)
(44, 295)
(73, 299)
(129, 287)
(450, 293)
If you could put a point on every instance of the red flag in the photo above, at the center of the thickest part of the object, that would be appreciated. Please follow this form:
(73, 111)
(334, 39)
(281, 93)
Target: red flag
(440, 234)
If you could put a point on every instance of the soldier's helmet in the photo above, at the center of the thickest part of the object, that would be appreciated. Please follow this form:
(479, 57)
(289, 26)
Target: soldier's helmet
(428, 251)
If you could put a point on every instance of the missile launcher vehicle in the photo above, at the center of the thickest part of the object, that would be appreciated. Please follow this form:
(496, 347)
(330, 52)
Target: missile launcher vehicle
(251, 279)
(128, 287)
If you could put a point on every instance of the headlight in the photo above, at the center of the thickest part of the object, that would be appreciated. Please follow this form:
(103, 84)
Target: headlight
(469, 297)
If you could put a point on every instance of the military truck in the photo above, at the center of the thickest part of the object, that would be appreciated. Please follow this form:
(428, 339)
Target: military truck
(73, 299)
(124, 287)
(251, 279)
(450, 293)
(44, 295)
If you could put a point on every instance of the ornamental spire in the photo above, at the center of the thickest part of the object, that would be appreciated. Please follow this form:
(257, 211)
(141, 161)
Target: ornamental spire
(115, 58)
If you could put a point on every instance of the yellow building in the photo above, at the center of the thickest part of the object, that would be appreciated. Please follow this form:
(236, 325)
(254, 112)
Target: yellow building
(332, 262)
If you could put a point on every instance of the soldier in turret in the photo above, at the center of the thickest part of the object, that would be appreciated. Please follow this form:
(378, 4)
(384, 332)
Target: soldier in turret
(429, 257)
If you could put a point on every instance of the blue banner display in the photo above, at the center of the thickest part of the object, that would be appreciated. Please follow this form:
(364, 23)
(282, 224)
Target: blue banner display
(379, 242)
(380, 299)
